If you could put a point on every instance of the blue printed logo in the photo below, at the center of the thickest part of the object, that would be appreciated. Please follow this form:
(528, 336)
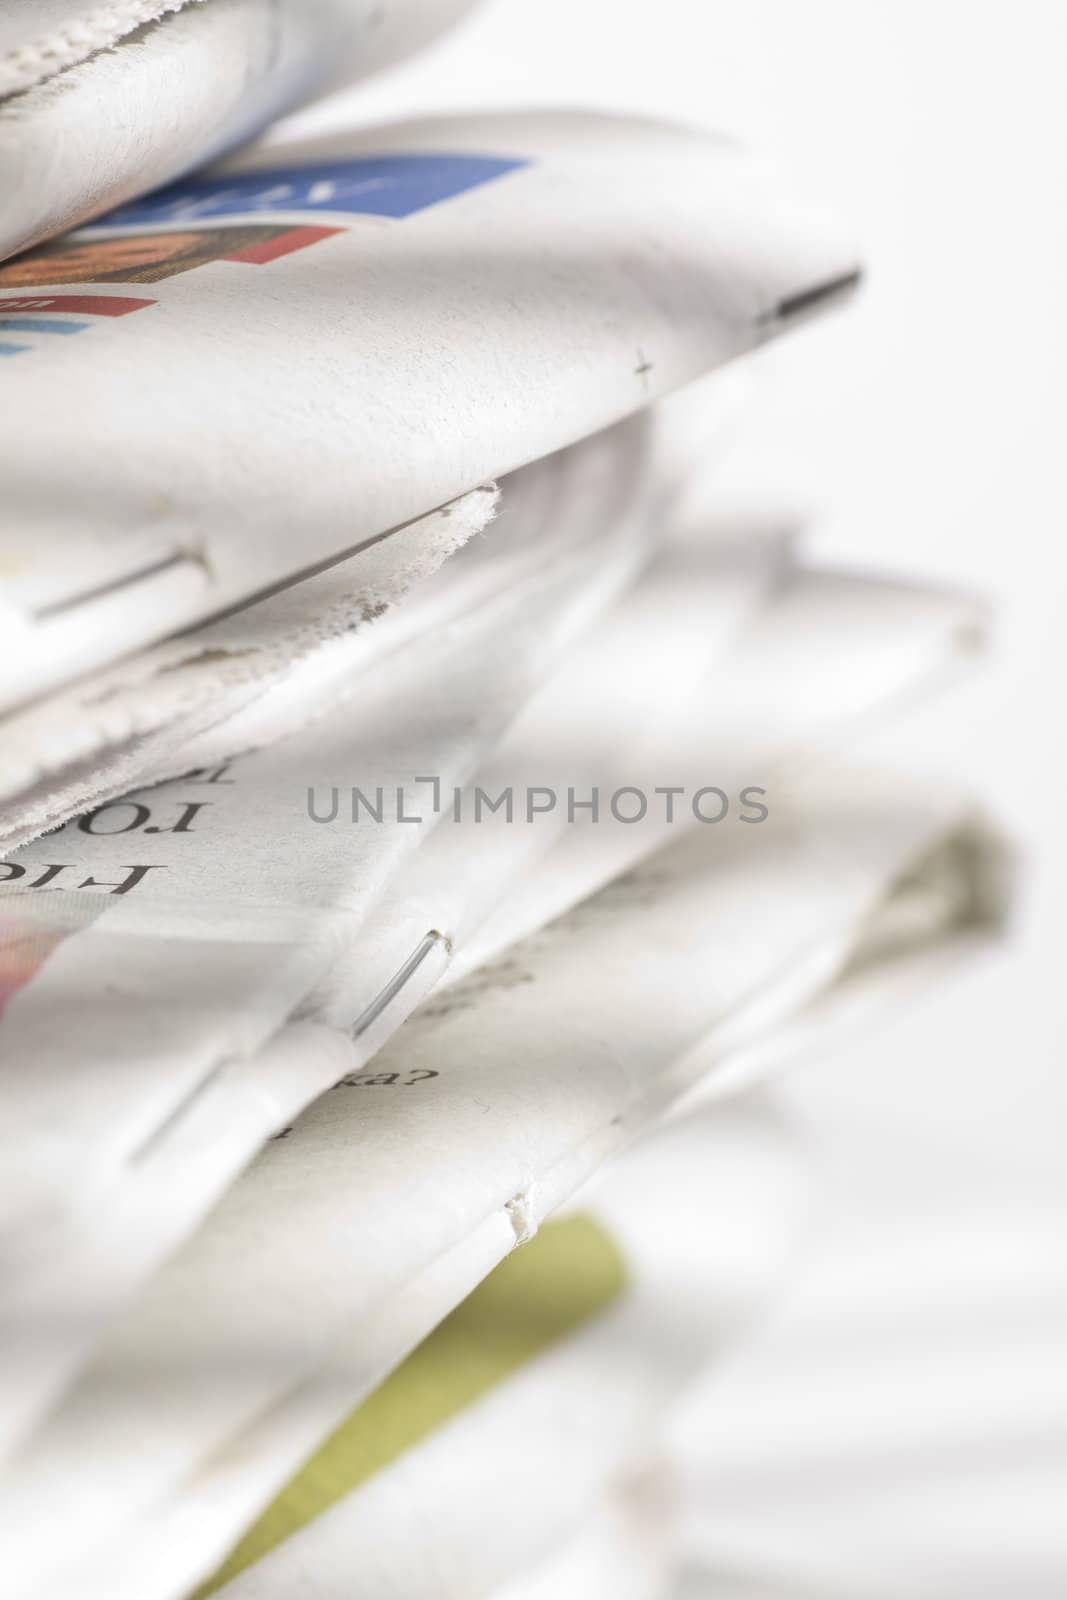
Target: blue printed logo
(375, 186)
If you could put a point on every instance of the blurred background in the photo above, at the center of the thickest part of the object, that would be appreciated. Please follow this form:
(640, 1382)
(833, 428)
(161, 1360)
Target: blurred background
(901, 1425)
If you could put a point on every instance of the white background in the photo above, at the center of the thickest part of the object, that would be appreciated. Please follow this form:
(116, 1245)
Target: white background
(931, 423)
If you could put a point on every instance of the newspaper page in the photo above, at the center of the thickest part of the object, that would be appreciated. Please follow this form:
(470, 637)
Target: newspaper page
(618, 1336)
(355, 331)
(191, 78)
(272, 666)
(121, 728)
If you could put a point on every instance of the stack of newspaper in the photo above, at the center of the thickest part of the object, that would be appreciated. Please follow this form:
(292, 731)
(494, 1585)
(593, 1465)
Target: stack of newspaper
(421, 777)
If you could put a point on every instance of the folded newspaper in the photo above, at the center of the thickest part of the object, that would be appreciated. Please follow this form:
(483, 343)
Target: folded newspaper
(353, 333)
(266, 669)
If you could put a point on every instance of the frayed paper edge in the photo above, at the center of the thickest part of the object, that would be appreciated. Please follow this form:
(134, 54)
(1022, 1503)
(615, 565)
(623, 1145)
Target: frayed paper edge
(95, 739)
(103, 27)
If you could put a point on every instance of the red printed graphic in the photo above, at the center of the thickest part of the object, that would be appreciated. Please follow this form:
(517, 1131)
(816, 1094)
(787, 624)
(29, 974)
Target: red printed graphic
(87, 258)
(89, 305)
(151, 257)
(24, 948)
(33, 925)
(283, 244)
